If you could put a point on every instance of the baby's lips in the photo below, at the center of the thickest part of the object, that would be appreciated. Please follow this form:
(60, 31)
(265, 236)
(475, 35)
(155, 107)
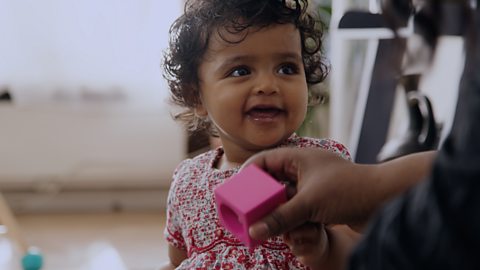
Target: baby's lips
(264, 113)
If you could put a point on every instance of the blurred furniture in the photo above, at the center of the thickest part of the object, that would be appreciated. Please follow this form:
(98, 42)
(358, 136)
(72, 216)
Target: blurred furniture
(31, 257)
(61, 156)
(367, 112)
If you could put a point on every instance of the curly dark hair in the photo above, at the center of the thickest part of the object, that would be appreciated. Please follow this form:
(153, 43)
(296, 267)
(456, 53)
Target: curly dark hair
(190, 34)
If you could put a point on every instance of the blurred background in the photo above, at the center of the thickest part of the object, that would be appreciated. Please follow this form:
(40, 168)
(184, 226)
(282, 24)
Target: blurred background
(87, 102)
(87, 141)
(88, 144)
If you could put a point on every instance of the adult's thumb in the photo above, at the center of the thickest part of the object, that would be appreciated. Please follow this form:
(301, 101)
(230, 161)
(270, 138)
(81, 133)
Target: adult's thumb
(281, 220)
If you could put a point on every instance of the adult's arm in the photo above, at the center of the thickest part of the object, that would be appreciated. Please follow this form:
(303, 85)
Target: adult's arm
(332, 190)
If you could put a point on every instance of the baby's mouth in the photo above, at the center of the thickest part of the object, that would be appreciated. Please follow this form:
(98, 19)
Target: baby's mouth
(264, 113)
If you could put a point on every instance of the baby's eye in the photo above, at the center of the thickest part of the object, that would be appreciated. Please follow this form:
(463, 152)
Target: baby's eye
(240, 71)
(288, 69)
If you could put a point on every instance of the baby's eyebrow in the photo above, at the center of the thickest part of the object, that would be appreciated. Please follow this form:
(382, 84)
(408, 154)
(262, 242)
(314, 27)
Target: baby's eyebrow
(228, 62)
(289, 56)
(238, 58)
(284, 56)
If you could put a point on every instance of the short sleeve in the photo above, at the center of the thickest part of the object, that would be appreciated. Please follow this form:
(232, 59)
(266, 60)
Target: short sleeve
(323, 143)
(173, 228)
(337, 147)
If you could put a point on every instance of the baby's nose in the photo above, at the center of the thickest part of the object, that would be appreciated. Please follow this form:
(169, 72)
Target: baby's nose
(267, 85)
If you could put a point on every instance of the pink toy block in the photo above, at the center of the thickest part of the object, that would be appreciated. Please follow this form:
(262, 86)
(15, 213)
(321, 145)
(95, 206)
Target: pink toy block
(245, 198)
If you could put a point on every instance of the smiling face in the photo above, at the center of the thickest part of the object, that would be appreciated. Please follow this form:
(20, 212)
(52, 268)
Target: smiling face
(254, 91)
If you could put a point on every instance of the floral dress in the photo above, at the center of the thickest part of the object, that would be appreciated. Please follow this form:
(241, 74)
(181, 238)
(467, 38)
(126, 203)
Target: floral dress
(193, 224)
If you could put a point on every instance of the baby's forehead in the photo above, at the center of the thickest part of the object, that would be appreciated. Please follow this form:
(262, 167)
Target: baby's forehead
(230, 35)
(277, 39)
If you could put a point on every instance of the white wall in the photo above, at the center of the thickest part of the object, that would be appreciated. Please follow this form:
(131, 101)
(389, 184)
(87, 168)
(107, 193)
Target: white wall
(94, 44)
(88, 95)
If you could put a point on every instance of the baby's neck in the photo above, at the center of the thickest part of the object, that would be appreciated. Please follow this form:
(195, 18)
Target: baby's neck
(224, 164)
(234, 155)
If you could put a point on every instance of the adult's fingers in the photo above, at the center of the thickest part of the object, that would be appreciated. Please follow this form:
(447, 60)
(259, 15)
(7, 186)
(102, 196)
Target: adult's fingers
(281, 163)
(306, 232)
(283, 219)
(307, 240)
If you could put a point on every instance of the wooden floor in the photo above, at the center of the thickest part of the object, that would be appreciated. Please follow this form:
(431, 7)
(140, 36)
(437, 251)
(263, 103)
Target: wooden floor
(107, 241)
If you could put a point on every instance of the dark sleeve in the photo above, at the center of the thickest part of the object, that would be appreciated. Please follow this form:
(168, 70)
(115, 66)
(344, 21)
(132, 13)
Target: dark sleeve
(436, 225)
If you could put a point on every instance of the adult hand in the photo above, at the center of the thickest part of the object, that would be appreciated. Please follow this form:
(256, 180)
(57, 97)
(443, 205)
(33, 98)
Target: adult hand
(332, 190)
(328, 189)
(309, 243)
(322, 247)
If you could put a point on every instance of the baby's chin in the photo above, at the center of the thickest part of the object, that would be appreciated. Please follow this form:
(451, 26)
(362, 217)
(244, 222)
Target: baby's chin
(265, 145)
